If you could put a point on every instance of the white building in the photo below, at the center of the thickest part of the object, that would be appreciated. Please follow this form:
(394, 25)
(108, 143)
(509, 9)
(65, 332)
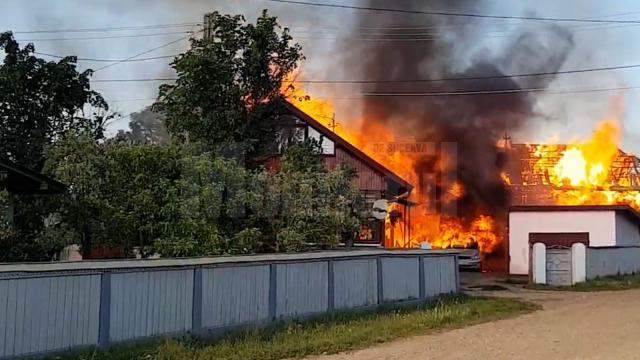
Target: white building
(562, 245)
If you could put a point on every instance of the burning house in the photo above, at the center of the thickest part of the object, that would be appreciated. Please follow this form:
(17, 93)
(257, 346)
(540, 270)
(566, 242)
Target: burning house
(575, 209)
(455, 108)
(373, 179)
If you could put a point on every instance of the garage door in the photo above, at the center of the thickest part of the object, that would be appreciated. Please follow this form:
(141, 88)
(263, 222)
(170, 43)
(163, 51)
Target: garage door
(559, 267)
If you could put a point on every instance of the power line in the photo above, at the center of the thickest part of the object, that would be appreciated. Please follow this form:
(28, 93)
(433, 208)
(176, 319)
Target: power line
(129, 100)
(106, 37)
(103, 29)
(460, 93)
(132, 80)
(492, 77)
(109, 60)
(142, 53)
(469, 78)
(500, 92)
(455, 14)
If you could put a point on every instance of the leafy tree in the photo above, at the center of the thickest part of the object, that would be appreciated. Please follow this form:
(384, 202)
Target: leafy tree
(227, 83)
(307, 206)
(117, 191)
(40, 101)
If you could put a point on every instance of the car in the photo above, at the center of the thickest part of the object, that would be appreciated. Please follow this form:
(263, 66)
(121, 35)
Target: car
(469, 258)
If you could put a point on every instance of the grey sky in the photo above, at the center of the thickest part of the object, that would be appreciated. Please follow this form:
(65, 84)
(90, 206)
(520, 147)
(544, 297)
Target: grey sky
(564, 116)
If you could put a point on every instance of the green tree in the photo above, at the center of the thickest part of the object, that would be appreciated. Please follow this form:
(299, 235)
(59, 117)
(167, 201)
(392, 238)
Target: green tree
(205, 211)
(42, 100)
(305, 206)
(227, 83)
(117, 191)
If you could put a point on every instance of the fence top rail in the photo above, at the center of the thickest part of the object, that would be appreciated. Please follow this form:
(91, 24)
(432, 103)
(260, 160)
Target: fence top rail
(105, 265)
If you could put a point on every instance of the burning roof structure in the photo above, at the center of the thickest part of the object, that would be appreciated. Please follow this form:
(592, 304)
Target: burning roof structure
(589, 172)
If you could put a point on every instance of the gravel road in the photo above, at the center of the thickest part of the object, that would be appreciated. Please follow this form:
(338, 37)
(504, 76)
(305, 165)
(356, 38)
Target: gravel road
(603, 325)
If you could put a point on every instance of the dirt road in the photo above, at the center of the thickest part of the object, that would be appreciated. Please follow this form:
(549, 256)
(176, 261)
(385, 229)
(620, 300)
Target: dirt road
(603, 325)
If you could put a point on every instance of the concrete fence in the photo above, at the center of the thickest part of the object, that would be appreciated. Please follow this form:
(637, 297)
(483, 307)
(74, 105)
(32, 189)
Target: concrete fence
(612, 261)
(47, 308)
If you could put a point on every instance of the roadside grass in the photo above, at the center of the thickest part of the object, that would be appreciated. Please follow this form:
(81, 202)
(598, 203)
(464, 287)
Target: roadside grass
(328, 334)
(609, 283)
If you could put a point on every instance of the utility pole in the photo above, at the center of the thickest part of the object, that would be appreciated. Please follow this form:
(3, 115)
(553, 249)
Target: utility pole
(507, 140)
(333, 125)
(207, 28)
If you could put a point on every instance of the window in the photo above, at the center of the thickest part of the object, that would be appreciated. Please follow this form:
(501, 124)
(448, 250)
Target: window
(294, 130)
(328, 147)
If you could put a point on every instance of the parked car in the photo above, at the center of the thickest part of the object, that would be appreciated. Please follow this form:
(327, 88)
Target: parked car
(469, 259)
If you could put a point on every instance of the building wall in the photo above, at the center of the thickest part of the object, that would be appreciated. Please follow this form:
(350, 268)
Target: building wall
(612, 261)
(53, 307)
(601, 226)
(368, 178)
(627, 231)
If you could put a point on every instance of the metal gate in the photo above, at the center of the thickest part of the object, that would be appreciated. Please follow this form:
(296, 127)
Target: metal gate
(559, 266)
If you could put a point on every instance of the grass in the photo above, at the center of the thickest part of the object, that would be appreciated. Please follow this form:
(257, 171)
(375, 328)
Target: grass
(329, 334)
(609, 283)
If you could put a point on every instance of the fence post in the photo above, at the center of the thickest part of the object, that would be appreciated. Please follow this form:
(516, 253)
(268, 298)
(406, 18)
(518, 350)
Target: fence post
(330, 286)
(104, 317)
(273, 295)
(421, 277)
(196, 310)
(456, 264)
(380, 289)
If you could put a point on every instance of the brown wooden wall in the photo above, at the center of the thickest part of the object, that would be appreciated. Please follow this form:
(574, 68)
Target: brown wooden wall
(368, 178)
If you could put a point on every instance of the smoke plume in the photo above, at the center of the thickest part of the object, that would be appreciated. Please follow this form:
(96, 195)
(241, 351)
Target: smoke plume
(476, 123)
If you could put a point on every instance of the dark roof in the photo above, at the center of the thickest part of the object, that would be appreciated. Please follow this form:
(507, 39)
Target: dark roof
(626, 209)
(347, 146)
(21, 180)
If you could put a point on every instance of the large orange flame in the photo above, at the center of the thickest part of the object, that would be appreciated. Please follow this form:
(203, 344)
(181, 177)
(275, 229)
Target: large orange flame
(395, 153)
(590, 172)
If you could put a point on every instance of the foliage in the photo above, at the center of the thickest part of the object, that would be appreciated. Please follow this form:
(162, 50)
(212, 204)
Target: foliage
(198, 202)
(7, 232)
(185, 202)
(183, 198)
(227, 83)
(330, 334)
(117, 191)
(318, 207)
(40, 101)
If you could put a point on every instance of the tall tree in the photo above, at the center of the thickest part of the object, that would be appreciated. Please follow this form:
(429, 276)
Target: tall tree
(42, 100)
(227, 83)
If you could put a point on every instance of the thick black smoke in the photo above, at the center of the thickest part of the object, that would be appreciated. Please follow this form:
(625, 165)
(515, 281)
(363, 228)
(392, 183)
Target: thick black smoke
(475, 122)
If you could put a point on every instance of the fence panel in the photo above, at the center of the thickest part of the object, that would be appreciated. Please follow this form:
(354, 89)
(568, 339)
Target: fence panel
(150, 303)
(235, 295)
(40, 315)
(355, 283)
(400, 278)
(302, 288)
